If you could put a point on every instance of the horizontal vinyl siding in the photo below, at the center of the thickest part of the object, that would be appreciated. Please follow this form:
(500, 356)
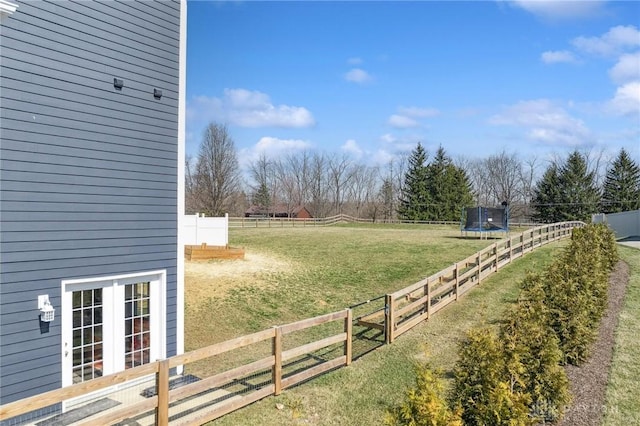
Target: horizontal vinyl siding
(88, 173)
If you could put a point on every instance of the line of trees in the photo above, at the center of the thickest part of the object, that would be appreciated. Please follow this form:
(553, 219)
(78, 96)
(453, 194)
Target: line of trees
(569, 190)
(413, 186)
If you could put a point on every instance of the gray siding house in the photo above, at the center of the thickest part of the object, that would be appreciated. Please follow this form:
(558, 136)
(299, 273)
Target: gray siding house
(91, 194)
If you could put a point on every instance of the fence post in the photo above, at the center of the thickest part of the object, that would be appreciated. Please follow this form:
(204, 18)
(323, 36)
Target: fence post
(276, 374)
(455, 271)
(348, 344)
(479, 268)
(510, 250)
(162, 390)
(495, 254)
(427, 291)
(388, 320)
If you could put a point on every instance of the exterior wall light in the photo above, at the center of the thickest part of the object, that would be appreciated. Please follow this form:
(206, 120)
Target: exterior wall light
(7, 8)
(47, 313)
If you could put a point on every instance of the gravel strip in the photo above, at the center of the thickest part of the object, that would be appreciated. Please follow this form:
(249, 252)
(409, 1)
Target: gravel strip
(588, 383)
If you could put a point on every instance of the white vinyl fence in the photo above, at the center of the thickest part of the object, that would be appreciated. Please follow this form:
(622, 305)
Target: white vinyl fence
(625, 224)
(214, 231)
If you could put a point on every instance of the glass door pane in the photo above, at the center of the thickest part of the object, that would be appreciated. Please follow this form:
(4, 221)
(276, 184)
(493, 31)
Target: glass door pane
(137, 335)
(87, 334)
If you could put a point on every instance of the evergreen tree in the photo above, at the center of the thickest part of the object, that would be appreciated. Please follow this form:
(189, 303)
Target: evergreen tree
(438, 185)
(449, 188)
(579, 194)
(566, 192)
(461, 194)
(545, 196)
(414, 197)
(262, 197)
(621, 189)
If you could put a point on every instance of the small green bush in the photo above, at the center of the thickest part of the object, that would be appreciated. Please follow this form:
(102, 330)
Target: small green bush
(481, 386)
(608, 245)
(570, 311)
(532, 355)
(424, 404)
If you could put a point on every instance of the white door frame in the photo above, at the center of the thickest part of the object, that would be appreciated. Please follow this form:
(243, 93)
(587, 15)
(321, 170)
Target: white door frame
(113, 303)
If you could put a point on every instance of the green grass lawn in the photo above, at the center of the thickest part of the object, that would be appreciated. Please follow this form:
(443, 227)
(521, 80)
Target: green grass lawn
(329, 269)
(361, 393)
(623, 391)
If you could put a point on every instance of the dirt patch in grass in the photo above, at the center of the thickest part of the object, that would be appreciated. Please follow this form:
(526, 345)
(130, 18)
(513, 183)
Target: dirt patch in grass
(588, 383)
(214, 278)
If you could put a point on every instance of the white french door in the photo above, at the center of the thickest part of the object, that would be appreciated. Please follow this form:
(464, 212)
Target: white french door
(111, 324)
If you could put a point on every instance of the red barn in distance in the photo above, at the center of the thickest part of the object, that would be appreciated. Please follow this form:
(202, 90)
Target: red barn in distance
(279, 211)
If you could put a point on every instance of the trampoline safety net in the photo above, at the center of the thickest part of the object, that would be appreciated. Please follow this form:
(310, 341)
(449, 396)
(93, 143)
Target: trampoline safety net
(486, 219)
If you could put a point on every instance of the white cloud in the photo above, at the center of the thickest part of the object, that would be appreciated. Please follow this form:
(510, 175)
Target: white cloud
(407, 117)
(352, 147)
(388, 138)
(418, 112)
(354, 61)
(558, 56)
(543, 121)
(405, 143)
(627, 69)
(613, 42)
(402, 122)
(383, 157)
(626, 100)
(272, 147)
(269, 144)
(247, 108)
(557, 10)
(357, 75)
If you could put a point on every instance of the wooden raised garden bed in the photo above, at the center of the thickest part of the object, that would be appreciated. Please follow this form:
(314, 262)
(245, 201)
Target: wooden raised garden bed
(205, 252)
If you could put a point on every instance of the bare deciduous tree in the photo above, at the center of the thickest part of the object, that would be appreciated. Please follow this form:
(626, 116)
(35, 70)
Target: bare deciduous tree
(339, 169)
(298, 167)
(318, 185)
(191, 205)
(217, 174)
(529, 176)
(503, 172)
(362, 188)
(477, 173)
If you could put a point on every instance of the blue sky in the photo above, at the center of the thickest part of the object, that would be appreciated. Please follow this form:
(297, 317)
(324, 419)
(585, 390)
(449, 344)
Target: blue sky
(371, 79)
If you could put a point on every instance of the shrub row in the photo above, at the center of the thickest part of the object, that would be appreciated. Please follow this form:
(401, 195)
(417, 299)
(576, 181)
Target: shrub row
(574, 290)
(514, 376)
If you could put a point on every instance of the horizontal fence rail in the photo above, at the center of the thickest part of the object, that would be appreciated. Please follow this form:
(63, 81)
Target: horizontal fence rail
(292, 357)
(164, 406)
(407, 307)
(270, 222)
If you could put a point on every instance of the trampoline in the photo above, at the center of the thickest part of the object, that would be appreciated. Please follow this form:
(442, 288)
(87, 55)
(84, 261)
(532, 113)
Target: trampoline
(485, 220)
